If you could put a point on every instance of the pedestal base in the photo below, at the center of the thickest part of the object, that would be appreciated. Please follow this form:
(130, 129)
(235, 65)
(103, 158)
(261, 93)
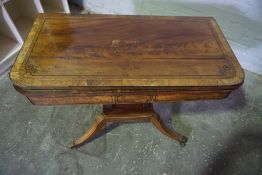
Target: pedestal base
(128, 113)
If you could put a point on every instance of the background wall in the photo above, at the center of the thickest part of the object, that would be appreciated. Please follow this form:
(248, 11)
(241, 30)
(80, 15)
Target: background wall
(240, 20)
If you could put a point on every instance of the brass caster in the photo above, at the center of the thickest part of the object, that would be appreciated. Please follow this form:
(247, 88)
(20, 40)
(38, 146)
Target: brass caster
(72, 145)
(183, 141)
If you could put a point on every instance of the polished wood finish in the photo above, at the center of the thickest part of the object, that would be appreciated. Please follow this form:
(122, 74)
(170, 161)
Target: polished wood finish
(114, 59)
(128, 113)
(108, 53)
(62, 97)
(111, 59)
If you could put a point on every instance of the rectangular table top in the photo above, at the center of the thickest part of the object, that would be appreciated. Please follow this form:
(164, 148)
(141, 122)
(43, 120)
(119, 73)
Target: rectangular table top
(73, 51)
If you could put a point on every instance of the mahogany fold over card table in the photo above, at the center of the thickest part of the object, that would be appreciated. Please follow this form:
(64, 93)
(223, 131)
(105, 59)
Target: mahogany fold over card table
(125, 63)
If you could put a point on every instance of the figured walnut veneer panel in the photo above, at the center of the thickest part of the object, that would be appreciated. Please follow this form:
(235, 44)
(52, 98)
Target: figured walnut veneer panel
(64, 51)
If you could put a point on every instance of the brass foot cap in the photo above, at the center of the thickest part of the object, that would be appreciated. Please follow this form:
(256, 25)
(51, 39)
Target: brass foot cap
(72, 145)
(183, 141)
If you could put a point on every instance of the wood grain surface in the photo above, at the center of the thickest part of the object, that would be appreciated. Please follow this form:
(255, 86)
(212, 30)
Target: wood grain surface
(83, 58)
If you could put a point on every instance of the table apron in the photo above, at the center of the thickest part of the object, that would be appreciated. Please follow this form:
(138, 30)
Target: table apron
(60, 98)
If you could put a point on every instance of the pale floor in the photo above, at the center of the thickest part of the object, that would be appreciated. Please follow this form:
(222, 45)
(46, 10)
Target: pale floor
(225, 136)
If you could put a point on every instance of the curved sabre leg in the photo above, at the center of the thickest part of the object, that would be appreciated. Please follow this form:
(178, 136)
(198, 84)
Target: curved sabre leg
(99, 123)
(155, 119)
(136, 114)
